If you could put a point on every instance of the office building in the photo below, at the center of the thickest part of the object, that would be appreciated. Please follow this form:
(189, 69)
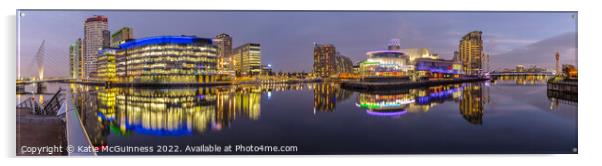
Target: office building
(246, 59)
(224, 50)
(471, 53)
(167, 59)
(415, 53)
(106, 65)
(267, 69)
(122, 35)
(324, 60)
(93, 41)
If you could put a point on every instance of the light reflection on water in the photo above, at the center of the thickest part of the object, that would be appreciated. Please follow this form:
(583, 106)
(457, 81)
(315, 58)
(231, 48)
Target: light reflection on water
(311, 115)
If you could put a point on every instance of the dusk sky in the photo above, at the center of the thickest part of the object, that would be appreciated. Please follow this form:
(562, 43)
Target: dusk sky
(286, 38)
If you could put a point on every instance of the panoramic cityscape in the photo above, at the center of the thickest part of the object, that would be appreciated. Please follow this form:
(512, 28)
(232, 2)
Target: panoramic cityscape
(145, 84)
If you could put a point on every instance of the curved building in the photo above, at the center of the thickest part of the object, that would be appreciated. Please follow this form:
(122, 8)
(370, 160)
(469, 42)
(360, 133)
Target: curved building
(385, 105)
(167, 59)
(385, 63)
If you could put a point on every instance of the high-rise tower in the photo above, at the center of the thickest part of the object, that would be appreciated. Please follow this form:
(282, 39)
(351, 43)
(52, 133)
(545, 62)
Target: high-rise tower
(106, 38)
(324, 60)
(224, 50)
(122, 35)
(246, 59)
(93, 41)
(557, 60)
(75, 55)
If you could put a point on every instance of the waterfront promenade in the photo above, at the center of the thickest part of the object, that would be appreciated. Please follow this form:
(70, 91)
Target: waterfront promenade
(39, 131)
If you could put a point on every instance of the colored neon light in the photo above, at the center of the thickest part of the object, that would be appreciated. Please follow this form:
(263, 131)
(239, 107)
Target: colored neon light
(397, 113)
(104, 117)
(436, 95)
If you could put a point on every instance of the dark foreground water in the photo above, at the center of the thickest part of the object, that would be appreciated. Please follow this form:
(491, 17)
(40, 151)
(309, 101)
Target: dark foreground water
(506, 116)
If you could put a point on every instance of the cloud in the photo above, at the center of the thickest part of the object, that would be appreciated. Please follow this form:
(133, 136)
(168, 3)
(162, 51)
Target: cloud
(540, 53)
(497, 43)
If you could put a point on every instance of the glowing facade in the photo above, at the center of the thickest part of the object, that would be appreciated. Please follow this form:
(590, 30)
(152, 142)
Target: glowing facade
(107, 68)
(324, 60)
(413, 100)
(182, 111)
(247, 59)
(167, 59)
(471, 53)
(106, 38)
(437, 68)
(416, 53)
(385, 103)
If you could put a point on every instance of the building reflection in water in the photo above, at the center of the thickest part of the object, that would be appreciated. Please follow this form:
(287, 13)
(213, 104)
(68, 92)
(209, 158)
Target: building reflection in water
(471, 98)
(85, 101)
(186, 111)
(472, 103)
(521, 80)
(385, 105)
(327, 95)
(182, 111)
(412, 100)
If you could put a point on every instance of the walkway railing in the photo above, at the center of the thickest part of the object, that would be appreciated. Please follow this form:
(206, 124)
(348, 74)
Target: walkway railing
(49, 107)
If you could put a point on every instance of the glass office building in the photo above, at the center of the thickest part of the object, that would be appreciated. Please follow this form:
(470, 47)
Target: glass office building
(247, 59)
(167, 59)
(107, 69)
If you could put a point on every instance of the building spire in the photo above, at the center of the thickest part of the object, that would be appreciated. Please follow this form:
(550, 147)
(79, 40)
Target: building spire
(557, 60)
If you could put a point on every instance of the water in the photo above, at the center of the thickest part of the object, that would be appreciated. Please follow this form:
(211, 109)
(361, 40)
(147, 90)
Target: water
(506, 116)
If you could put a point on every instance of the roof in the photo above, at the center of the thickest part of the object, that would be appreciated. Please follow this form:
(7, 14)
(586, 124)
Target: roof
(164, 40)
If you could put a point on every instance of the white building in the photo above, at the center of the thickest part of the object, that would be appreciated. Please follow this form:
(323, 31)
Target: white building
(93, 41)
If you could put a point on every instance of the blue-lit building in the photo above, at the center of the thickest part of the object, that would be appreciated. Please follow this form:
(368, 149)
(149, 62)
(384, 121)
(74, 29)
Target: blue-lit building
(167, 59)
(386, 63)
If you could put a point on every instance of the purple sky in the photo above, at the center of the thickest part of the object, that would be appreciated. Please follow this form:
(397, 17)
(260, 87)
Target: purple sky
(511, 38)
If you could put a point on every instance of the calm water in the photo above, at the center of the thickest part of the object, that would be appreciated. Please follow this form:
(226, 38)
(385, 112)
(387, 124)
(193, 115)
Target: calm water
(509, 115)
